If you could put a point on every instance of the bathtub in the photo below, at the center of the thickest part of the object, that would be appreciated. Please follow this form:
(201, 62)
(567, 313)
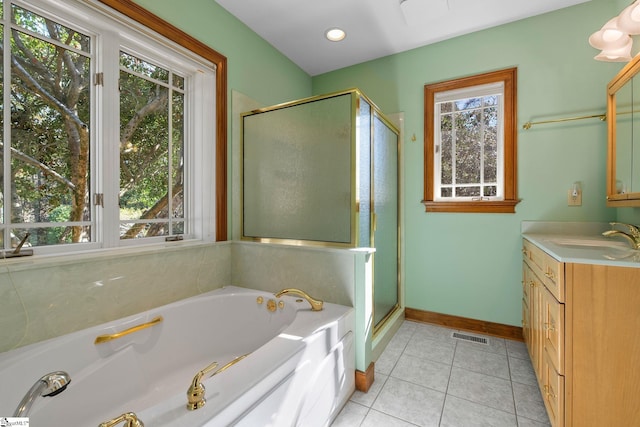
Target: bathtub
(300, 368)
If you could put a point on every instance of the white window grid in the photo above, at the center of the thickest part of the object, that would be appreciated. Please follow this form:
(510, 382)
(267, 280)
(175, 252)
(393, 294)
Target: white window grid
(452, 96)
(111, 33)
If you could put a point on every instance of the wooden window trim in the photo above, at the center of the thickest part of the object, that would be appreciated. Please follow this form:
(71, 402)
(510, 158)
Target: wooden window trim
(509, 77)
(162, 27)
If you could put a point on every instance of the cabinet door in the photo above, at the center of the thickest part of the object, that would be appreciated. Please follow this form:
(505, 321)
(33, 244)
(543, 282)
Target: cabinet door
(526, 305)
(534, 331)
(553, 392)
(553, 330)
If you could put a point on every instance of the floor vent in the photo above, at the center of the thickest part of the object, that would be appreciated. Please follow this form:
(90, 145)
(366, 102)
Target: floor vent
(472, 338)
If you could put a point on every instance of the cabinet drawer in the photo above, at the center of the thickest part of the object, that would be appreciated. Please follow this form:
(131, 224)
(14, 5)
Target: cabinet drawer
(549, 269)
(533, 256)
(553, 271)
(553, 324)
(553, 393)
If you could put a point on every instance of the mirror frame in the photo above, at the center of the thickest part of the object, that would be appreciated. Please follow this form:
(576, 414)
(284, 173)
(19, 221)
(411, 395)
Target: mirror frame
(623, 77)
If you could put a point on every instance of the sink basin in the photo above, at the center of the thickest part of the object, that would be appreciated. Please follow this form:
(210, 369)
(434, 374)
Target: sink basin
(588, 243)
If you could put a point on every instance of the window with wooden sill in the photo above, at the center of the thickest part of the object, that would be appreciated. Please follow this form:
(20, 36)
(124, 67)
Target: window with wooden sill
(470, 144)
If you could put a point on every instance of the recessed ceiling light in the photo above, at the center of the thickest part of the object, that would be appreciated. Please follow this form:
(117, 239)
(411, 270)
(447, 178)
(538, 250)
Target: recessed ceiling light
(335, 34)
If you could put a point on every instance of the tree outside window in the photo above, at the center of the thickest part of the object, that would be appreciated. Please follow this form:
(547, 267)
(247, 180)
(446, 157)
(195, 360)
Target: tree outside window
(47, 182)
(60, 164)
(470, 144)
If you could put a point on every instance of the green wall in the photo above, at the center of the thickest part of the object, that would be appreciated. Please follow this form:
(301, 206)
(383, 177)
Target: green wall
(469, 264)
(255, 68)
(461, 264)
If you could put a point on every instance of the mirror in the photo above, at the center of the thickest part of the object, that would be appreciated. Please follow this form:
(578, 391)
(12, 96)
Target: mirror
(623, 123)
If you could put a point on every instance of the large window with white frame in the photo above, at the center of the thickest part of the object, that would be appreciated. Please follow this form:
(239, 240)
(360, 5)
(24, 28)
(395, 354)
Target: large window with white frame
(106, 132)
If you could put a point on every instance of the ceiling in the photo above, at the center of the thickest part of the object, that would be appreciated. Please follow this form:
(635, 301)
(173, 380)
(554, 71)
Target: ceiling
(375, 28)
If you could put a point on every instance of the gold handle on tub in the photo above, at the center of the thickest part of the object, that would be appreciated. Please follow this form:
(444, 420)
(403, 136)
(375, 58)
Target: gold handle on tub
(130, 419)
(109, 337)
(195, 394)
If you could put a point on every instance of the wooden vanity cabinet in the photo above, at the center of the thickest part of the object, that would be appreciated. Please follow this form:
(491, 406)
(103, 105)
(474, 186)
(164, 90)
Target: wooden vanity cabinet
(530, 315)
(545, 343)
(581, 324)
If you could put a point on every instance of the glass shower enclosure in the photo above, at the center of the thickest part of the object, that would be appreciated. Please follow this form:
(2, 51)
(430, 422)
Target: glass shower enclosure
(324, 171)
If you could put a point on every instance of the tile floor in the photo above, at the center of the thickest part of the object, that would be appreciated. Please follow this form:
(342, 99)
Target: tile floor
(427, 378)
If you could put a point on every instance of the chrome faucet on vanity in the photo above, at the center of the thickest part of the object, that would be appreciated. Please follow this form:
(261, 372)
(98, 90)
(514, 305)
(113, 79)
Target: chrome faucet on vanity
(632, 236)
(49, 385)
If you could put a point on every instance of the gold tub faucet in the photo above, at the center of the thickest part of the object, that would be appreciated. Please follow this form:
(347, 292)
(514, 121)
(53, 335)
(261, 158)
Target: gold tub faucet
(195, 394)
(316, 305)
(130, 420)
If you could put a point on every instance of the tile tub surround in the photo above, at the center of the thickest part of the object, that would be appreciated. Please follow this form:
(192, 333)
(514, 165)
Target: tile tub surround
(338, 275)
(45, 297)
(427, 378)
(324, 273)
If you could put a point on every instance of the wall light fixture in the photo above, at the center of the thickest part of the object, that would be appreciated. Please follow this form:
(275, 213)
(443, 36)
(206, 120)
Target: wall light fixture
(614, 38)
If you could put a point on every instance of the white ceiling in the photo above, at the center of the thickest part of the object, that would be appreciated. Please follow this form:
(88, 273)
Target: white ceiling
(375, 28)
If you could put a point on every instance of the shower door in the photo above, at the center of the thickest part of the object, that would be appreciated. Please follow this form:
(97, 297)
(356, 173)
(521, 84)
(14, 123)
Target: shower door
(385, 224)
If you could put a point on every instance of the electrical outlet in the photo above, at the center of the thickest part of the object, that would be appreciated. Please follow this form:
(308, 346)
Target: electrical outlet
(574, 200)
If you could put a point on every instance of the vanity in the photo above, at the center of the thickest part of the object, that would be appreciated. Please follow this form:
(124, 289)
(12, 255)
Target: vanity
(581, 290)
(581, 323)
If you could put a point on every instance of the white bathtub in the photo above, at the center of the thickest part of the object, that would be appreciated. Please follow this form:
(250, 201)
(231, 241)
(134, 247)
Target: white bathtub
(300, 370)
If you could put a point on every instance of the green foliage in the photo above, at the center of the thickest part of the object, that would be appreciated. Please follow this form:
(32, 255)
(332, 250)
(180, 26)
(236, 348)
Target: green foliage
(50, 119)
(54, 235)
(468, 130)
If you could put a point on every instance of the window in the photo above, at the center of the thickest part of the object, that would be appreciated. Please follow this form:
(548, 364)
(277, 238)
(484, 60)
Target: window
(152, 130)
(108, 138)
(470, 144)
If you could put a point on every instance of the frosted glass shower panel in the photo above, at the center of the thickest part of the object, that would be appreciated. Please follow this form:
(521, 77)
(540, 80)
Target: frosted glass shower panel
(297, 180)
(364, 172)
(385, 202)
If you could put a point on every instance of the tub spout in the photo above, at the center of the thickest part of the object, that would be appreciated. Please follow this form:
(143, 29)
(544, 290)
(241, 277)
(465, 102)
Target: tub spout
(130, 420)
(49, 385)
(316, 305)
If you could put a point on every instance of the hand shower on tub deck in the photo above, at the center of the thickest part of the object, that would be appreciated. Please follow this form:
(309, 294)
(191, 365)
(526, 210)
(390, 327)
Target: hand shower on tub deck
(49, 385)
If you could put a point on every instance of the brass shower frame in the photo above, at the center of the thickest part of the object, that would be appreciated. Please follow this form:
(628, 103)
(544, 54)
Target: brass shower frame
(356, 95)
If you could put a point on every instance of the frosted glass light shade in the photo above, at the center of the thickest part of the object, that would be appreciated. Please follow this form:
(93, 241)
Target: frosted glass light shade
(622, 54)
(629, 19)
(609, 37)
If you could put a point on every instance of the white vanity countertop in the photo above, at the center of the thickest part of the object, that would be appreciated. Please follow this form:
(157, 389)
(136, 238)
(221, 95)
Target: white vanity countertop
(580, 243)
